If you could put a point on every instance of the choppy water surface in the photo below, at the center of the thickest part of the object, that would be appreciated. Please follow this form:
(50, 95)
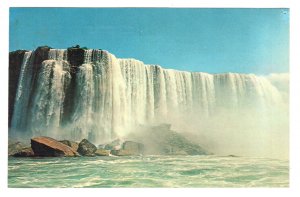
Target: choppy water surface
(148, 171)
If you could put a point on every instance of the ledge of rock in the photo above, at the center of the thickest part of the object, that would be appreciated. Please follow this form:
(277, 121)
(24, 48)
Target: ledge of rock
(76, 56)
(25, 152)
(15, 147)
(133, 147)
(121, 152)
(161, 140)
(86, 148)
(114, 145)
(49, 147)
(102, 152)
(129, 148)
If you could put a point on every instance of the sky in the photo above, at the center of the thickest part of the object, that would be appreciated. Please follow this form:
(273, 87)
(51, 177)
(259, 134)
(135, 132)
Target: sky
(195, 39)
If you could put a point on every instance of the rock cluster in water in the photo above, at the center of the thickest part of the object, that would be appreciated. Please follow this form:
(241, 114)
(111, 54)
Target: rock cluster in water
(160, 140)
(48, 147)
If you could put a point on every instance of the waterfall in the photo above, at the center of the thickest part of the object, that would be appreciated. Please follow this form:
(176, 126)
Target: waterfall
(105, 97)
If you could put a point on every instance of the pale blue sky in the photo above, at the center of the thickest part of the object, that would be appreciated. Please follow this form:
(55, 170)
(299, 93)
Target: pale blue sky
(206, 40)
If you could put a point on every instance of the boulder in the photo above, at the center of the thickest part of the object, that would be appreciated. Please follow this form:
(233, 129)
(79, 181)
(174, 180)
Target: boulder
(101, 146)
(161, 140)
(25, 152)
(134, 148)
(121, 152)
(49, 147)
(129, 148)
(102, 152)
(114, 145)
(86, 148)
(15, 147)
(73, 145)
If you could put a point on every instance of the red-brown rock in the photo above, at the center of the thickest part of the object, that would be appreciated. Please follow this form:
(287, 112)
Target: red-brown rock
(49, 147)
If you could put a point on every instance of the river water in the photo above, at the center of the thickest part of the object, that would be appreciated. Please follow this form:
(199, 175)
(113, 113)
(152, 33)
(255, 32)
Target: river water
(148, 171)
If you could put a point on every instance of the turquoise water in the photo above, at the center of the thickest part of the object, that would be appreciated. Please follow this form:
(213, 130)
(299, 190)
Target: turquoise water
(148, 171)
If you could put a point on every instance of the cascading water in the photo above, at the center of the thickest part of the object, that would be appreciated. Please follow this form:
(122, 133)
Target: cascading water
(111, 96)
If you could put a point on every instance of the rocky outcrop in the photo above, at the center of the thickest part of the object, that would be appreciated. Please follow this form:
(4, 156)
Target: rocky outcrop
(76, 56)
(102, 152)
(114, 145)
(15, 63)
(134, 148)
(127, 148)
(15, 147)
(121, 152)
(49, 147)
(162, 140)
(40, 55)
(73, 145)
(86, 148)
(25, 152)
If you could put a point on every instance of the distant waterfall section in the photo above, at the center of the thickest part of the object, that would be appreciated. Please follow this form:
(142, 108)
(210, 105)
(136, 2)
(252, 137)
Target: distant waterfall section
(101, 97)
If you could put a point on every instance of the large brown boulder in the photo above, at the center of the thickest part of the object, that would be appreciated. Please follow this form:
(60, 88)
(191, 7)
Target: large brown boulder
(25, 152)
(86, 148)
(49, 147)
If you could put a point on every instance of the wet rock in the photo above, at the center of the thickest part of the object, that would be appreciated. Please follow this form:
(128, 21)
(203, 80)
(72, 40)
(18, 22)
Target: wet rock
(129, 148)
(49, 147)
(161, 140)
(101, 146)
(25, 152)
(40, 55)
(134, 148)
(121, 152)
(14, 147)
(102, 152)
(75, 56)
(73, 145)
(114, 145)
(86, 148)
